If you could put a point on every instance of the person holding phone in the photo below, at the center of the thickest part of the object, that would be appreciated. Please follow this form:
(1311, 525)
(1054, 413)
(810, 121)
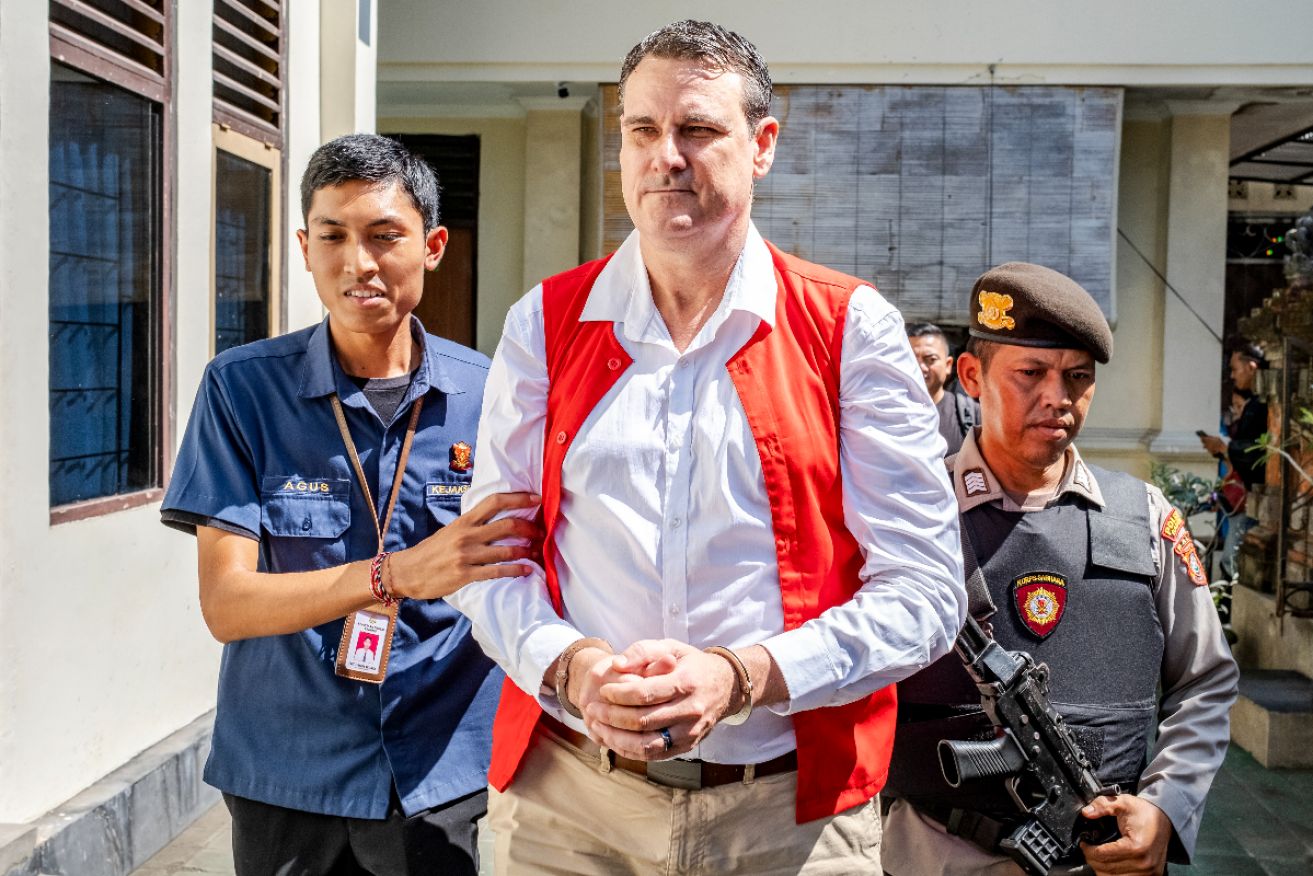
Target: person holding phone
(1240, 448)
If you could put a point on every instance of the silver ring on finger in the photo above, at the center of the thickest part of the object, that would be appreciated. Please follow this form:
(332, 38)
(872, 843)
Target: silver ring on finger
(665, 734)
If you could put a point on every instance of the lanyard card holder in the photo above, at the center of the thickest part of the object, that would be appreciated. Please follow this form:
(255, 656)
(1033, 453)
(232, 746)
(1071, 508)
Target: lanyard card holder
(366, 644)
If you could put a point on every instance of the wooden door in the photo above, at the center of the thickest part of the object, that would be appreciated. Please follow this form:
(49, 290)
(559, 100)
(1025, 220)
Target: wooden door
(447, 308)
(450, 304)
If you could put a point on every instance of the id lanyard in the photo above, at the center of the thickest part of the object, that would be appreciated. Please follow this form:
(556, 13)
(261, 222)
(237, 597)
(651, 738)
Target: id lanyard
(367, 634)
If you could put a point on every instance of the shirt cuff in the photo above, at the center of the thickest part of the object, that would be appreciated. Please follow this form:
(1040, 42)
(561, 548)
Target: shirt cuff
(808, 669)
(538, 652)
(1183, 815)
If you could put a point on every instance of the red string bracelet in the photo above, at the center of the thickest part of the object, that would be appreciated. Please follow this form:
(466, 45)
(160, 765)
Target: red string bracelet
(376, 581)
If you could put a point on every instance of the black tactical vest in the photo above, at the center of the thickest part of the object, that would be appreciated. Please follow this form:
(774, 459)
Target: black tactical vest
(1105, 649)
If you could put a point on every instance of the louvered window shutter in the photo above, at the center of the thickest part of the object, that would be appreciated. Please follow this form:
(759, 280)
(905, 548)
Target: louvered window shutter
(126, 42)
(249, 55)
(921, 189)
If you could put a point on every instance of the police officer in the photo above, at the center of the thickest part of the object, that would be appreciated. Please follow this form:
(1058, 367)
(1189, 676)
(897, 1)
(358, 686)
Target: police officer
(322, 473)
(1090, 571)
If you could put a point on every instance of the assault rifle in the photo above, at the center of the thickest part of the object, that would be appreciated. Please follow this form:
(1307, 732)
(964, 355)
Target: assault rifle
(1035, 754)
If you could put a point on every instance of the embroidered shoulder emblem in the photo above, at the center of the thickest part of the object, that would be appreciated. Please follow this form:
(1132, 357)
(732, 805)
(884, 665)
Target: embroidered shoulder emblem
(993, 311)
(1040, 599)
(1185, 549)
(460, 456)
(973, 479)
(1173, 526)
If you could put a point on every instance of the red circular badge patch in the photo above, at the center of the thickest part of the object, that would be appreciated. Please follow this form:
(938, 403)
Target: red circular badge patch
(1040, 599)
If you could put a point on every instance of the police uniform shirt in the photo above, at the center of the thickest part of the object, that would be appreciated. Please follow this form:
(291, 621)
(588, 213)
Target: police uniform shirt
(1199, 683)
(263, 453)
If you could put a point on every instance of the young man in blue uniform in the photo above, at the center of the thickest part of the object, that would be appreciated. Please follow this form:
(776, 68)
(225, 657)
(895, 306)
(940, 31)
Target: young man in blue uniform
(322, 473)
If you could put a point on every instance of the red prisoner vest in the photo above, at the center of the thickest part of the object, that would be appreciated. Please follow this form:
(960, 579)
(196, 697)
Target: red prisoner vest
(787, 379)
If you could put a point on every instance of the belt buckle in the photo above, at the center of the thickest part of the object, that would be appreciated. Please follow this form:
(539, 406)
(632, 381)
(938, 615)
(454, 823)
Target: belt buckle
(683, 774)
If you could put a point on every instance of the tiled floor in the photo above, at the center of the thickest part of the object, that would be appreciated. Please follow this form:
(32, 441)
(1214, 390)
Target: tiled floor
(204, 848)
(1259, 822)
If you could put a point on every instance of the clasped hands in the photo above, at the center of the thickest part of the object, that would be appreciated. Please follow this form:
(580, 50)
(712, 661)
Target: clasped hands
(627, 699)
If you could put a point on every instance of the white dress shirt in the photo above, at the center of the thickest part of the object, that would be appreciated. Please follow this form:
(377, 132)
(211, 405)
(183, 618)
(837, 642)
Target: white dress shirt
(665, 527)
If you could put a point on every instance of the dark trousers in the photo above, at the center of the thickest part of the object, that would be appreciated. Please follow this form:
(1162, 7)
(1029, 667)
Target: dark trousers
(275, 841)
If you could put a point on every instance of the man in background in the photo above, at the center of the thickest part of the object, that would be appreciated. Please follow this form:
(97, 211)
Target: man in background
(958, 412)
(1238, 448)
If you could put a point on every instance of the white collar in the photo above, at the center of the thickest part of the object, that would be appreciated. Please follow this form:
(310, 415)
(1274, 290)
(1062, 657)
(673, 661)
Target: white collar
(623, 292)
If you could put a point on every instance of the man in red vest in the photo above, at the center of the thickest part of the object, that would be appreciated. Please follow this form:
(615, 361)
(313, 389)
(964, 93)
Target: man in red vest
(750, 531)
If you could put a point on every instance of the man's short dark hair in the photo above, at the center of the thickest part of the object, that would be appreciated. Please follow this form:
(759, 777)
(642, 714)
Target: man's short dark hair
(375, 159)
(983, 350)
(715, 47)
(1252, 352)
(927, 330)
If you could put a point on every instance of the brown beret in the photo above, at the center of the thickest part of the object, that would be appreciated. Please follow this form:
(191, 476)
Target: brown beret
(1032, 306)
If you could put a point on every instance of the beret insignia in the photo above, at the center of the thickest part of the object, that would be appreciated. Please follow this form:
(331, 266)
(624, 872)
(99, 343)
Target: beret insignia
(993, 311)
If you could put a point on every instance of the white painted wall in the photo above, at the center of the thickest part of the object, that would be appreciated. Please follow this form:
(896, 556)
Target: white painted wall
(1116, 42)
(301, 139)
(103, 651)
(346, 67)
(101, 640)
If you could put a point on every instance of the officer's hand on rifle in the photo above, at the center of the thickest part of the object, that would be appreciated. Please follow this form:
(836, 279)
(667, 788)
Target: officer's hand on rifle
(1145, 833)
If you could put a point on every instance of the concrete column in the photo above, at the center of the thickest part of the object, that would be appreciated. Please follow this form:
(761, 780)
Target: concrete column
(348, 54)
(1196, 267)
(552, 178)
(302, 134)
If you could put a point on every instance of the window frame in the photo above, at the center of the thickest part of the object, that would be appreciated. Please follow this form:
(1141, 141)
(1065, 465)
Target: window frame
(227, 139)
(88, 57)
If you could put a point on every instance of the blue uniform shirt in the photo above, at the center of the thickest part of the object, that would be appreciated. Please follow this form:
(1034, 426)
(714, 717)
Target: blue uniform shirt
(288, 730)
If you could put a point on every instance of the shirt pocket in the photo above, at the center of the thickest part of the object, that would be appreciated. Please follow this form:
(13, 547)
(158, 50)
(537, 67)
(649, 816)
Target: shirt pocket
(298, 507)
(442, 496)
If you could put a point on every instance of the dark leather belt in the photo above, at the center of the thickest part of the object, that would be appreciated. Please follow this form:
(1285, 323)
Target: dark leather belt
(690, 775)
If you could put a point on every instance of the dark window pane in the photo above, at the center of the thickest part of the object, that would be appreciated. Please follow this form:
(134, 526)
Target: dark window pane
(241, 252)
(104, 289)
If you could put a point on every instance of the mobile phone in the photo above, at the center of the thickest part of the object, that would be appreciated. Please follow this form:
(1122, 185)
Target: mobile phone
(1201, 433)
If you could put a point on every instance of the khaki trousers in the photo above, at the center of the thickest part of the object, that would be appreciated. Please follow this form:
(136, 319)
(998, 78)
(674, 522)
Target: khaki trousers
(921, 846)
(563, 815)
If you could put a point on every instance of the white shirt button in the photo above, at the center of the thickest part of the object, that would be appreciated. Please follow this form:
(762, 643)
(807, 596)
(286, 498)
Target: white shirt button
(683, 363)
(674, 610)
(674, 524)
